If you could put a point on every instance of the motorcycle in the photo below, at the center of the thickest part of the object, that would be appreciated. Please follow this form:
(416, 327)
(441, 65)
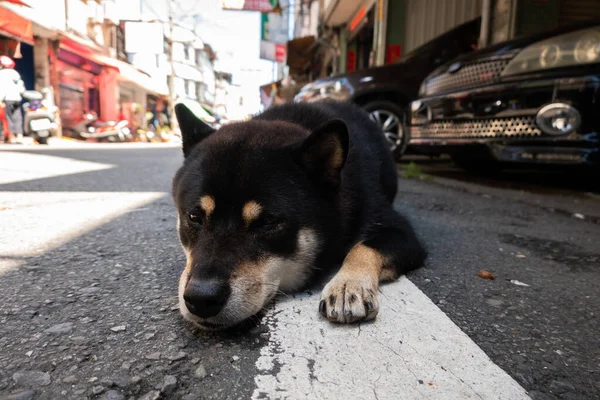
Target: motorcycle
(90, 128)
(39, 117)
(155, 133)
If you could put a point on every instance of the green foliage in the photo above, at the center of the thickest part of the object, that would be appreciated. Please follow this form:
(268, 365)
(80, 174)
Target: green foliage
(412, 171)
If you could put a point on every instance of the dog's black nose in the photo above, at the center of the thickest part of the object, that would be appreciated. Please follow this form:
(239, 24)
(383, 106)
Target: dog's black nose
(206, 298)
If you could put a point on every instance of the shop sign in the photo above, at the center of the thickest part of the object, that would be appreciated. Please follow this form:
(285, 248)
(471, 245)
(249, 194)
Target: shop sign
(274, 34)
(274, 27)
(272, 51)
(144, 37)
(249, 5)
(393, 53)
(351, 61)
(358, 18)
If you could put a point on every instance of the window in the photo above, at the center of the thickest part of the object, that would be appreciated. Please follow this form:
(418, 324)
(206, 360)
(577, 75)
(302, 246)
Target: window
(199, 90)
(190, 53)
(198, 56)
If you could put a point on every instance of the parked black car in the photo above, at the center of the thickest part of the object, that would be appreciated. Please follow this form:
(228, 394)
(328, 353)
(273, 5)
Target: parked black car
(530, 100)
(386, 91)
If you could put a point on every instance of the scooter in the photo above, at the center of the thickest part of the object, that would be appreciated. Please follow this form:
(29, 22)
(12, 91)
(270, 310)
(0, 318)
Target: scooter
(39, 121)
(90, 128)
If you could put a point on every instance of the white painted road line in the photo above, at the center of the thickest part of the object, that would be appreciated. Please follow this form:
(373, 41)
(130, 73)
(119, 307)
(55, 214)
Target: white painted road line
(411, 351)
(18, 167)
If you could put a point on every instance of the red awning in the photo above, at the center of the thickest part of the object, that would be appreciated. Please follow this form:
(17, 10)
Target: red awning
(15, 26)
(78, 45)
(84, 48)
(17, 2)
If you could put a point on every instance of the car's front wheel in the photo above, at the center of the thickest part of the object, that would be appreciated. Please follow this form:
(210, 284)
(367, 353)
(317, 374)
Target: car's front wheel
(390, 119)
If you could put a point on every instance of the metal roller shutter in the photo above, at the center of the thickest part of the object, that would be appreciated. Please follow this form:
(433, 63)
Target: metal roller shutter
(427, 19)
(572, 11)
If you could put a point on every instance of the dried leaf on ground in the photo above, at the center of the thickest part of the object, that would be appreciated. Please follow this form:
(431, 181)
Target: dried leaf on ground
(486, 275)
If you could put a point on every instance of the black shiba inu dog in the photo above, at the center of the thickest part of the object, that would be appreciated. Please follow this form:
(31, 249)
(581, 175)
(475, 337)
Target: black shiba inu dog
(265, 204)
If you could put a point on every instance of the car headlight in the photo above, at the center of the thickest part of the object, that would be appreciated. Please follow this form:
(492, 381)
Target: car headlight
(337, 89)
(574, 48)
(305, 92)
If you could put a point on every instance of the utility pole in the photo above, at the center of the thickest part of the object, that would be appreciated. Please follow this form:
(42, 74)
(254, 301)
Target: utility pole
(174, 124)
(380, 31)
(67, 28)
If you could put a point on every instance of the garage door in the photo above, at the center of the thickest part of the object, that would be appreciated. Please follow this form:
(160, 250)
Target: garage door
(578, 10)
(427, 19)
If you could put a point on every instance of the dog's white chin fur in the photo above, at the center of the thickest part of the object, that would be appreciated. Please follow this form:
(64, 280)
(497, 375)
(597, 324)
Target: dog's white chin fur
(280, 274)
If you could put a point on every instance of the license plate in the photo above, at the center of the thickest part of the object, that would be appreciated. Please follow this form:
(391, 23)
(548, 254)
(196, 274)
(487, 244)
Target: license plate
(40, 124)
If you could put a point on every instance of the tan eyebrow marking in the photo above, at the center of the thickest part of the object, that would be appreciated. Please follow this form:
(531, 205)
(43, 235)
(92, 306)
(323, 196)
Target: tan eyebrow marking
(207, 203)
(251, 211)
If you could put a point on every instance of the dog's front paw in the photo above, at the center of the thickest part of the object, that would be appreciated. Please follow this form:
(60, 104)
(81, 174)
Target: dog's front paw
(347, 299)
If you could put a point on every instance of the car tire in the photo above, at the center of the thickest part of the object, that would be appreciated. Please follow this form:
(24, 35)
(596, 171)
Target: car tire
(42, 140)
(384, 112)
(477, 162)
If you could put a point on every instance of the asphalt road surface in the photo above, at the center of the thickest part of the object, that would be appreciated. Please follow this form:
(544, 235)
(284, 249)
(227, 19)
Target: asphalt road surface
(89, 262)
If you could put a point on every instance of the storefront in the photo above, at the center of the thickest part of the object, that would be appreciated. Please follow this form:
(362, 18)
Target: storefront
(360, 32)
(16, 42)
(135, 87)
(377, 32)
(79, 90)
(86, 83)
(356, 24)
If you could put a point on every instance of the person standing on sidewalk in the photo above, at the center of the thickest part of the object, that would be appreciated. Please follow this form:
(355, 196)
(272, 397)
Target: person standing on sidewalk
(11, 89)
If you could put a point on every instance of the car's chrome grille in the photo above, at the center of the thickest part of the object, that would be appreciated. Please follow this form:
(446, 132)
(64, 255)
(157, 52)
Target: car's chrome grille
(483, 128)
(469, 76)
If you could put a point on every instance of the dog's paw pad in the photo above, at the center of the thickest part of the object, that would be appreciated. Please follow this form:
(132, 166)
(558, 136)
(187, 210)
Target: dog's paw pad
(347, 300)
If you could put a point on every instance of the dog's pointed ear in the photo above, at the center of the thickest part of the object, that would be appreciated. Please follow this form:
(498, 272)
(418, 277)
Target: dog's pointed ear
(323, 153)
(193, 129)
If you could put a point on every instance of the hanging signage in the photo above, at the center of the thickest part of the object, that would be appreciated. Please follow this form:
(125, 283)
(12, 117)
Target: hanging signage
(358, 18)
(144, 37)
(273, 51)
(274, 34)
(351, 61)
(393, 53)
(274, 28)
(249, 5)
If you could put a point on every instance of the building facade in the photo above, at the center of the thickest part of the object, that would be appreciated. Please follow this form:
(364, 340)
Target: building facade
(366, 33)
(100, 56)
(71, 47)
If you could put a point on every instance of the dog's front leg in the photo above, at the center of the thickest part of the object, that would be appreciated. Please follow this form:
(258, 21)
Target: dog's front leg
(352, 293)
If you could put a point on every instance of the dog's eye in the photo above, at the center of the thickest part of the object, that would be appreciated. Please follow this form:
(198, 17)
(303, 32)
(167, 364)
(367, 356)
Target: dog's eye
(270, 222)
(195, 218)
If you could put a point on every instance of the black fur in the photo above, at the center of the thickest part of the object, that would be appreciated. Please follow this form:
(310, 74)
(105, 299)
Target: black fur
(368, 186)
(325, 166)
